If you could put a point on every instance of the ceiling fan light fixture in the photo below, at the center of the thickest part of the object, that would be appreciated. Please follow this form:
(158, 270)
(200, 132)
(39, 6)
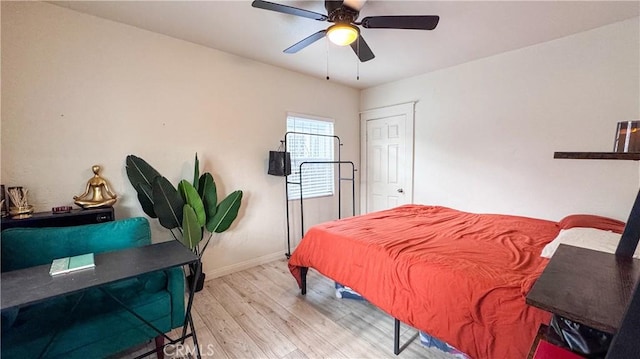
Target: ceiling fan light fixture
(342, 34)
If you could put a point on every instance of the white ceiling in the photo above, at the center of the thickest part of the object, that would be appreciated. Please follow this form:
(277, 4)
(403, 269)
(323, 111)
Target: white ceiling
(468, 30)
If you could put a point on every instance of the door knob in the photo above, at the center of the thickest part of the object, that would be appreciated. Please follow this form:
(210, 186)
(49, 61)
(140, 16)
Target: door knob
(400, 190)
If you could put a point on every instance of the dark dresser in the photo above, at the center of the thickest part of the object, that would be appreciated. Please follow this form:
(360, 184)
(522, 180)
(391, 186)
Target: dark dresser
(74, 218)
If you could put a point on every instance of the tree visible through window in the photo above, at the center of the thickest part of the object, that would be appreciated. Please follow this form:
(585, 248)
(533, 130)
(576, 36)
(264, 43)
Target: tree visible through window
(317, 179)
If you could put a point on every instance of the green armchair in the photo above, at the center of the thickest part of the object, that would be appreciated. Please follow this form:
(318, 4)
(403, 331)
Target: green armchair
(98, 327)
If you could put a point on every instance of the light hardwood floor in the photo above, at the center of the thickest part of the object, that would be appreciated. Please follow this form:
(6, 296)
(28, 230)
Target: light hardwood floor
(260, 313)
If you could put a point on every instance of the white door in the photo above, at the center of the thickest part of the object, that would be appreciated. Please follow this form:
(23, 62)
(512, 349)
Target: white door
(387, 157)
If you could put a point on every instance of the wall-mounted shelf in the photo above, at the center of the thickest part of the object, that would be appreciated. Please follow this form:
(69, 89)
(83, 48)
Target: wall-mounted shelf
(634, 156)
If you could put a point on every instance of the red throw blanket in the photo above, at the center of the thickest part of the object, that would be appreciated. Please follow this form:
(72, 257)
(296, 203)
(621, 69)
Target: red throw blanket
(461, 277)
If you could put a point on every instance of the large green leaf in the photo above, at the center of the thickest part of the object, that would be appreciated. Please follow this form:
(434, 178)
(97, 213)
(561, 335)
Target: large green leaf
(226, 213)
(191, 230)
(145, 197)
(191, 197)
(167, 203)
(196, 172)
(208, 192)
(140, 172)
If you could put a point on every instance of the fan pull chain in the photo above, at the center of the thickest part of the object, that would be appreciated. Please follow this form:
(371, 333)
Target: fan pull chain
(327, 53)
(358, 61)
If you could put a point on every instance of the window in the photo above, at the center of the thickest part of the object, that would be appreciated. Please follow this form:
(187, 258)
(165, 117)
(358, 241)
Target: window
(317, 179)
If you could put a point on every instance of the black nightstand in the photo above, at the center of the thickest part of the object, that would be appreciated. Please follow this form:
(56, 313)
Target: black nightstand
(589, 287)
(74, 218)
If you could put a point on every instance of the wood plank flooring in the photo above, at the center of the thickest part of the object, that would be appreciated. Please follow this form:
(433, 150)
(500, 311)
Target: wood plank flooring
(260, 313)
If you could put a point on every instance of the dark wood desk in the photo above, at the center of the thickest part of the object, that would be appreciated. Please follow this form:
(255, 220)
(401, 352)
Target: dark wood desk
(32, 285)
(589, 287)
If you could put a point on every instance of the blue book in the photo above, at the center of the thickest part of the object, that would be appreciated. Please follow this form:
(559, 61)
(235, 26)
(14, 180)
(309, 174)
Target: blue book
(71, 264)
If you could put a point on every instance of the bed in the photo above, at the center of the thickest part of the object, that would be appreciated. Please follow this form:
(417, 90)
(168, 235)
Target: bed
(460, 277)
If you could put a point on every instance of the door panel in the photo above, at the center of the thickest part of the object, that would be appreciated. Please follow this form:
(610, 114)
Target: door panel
(385, 147)
(387, 157)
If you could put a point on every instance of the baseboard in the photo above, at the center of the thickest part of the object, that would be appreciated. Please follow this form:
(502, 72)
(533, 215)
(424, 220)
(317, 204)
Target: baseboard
(244, 265)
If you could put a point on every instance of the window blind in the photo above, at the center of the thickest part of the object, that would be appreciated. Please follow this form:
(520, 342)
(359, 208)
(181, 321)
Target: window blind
(317, 179)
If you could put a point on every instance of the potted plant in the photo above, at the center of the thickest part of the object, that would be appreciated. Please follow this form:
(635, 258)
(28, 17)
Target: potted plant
(189, 211)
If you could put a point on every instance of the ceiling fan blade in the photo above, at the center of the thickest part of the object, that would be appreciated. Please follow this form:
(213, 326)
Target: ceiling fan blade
(305, 42)
(260, 4)
(411, 22)
(362, 50)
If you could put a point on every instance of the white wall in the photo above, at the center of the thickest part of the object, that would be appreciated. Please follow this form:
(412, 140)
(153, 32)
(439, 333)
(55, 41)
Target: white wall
(486, 131)
(78, 90)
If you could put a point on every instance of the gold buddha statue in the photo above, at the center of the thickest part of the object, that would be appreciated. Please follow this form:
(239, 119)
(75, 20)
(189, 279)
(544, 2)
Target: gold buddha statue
(101, 195)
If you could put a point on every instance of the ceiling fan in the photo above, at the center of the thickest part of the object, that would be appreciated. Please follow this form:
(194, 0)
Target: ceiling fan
(345, 31)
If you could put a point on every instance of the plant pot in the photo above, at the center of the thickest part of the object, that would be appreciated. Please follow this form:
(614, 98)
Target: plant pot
(199, 283)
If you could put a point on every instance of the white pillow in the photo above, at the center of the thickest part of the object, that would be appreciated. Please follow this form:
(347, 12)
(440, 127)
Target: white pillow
(590, 238)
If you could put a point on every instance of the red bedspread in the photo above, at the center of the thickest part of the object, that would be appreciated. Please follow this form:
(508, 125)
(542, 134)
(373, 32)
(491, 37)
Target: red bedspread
(458, 276)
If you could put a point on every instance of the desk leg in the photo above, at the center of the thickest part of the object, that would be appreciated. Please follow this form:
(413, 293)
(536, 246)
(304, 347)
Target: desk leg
(55, 334)
(188, 320)
(194, 336)
(124, 306)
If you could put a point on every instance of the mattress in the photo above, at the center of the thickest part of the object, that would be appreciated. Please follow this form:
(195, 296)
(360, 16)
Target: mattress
(459, 276)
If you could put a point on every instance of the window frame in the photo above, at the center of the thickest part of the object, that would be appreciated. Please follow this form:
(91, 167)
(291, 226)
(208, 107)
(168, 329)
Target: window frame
(292, 182)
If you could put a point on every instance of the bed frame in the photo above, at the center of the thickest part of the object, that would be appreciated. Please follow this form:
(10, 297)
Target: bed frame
(625, 342)
(396, 325)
